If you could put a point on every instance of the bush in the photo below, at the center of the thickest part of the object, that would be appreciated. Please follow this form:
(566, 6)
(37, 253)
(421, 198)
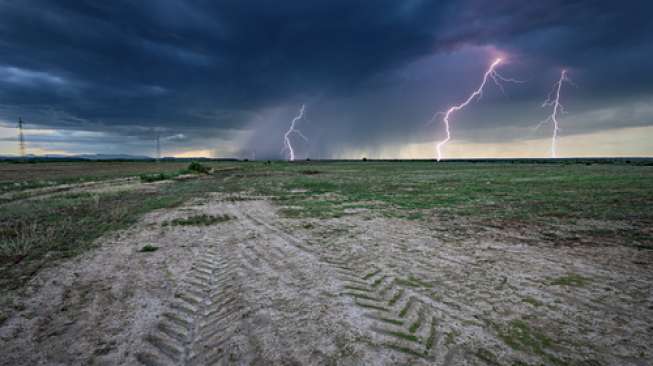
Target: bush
(199, 220)
(148, 248)
(310, 172)
(196, 167)
(149, 178)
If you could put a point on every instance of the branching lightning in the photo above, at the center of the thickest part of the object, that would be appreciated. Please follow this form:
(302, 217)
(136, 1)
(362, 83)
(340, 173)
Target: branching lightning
(492, 74)
(553, 100)
(286, 137)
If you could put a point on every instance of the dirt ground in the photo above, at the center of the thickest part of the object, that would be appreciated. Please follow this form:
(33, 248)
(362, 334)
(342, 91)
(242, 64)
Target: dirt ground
(363, 289)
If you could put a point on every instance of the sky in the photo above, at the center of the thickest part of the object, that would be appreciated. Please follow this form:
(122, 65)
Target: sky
(225, 78)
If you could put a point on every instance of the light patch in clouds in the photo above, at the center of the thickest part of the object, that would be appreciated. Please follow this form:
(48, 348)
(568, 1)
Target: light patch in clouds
(176, 137)
(24, 77)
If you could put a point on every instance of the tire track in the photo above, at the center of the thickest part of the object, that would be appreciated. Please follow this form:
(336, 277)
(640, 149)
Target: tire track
(400, 318)
(199, 321)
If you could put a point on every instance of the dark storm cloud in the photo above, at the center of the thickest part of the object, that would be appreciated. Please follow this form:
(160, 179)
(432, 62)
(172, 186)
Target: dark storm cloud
(205, 68)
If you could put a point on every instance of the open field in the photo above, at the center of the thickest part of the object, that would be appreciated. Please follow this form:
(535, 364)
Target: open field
(327, 263)
(19, 176)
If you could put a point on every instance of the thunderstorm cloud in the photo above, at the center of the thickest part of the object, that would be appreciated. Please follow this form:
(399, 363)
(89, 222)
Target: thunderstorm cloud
(224, 78)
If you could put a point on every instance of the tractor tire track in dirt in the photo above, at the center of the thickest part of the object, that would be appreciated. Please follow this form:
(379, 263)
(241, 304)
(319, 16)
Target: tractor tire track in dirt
(263, 294)
(253, 297)
(198, 322)
(398, 318)
(261, 289)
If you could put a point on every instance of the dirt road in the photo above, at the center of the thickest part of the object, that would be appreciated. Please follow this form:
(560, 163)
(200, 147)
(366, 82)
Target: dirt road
(364, 289)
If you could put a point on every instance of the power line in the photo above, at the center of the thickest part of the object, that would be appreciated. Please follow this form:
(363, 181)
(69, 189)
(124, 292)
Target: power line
(21, 138)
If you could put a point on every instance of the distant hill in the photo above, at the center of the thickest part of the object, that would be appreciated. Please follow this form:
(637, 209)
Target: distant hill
(79, 157)
(113, 157)
(100, 157)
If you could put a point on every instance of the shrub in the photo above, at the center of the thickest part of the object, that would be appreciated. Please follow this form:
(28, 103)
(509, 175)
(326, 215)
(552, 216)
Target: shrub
(199, 220)
(148, 178)
(196, 167)
(148, 248)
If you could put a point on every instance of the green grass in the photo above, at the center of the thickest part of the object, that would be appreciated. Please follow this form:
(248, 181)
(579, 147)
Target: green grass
(149, 178)
(37, 233)
(518, 335)
(193, 168)
(199, 220)
(415, 326)
(532, 301)
(198, 168)
(396, 297)
(546, 201)
(571, 279)
(402, 335)
(451, 337)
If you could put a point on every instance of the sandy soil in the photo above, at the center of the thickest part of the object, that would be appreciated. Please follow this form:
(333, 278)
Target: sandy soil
(358, 290)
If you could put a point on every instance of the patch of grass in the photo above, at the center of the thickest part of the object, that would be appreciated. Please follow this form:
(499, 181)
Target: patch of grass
(390, 321)
(532, 301)
(520, 336)
(371, 306)
(360, 296)
(199, 220)
(396, 297)
(36, 233)
(310, 172)
(487, 356)
(148, 248)
(415, 326)
(63, 227)
(451, 337)
(432, 334)
(379, 281)
(402, 335)
(356, 288)
(412, 281)
(193, 168)
(371, 274)
(571, 279)
(406, 308)
(315, 209)
(149, 178)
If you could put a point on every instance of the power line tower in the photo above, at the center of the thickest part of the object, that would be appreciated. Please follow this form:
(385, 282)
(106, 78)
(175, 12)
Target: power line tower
(21, 138)
(158, 147)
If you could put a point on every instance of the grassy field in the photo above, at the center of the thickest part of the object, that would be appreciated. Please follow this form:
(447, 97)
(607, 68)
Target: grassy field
(565, 203)
(19, 176)
(560, 204)
(36, 232)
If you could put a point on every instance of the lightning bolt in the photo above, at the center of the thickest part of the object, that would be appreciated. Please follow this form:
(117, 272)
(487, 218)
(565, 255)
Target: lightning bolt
(286, 137)
(553, 100)
(490, 74)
